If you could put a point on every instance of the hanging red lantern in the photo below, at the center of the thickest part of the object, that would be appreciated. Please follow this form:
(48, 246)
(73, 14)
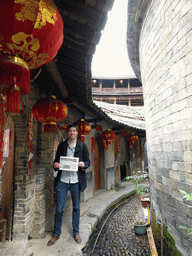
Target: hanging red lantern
(107, 136)
(31, 34)
(50, 111)
(124, 134)
(84, 128)
(99, 128)
(132, 139)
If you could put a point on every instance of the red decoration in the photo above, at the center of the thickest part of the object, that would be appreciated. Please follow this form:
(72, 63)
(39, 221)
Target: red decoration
(107, 136)
(2, 117)
(30, 137)
(124, 134)
(13, 99)
(92, 147)
(118, 143)
(50, 111)
(99, 128)
(6, 139)
(84, 128)
(31, 34)
(63, 126)
(132, 139)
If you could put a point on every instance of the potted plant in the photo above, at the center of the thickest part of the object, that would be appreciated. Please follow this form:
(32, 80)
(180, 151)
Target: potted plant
(140, 224)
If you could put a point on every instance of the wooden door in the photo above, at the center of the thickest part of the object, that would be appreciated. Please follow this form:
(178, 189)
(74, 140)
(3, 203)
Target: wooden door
(96, 166)
(8, 176)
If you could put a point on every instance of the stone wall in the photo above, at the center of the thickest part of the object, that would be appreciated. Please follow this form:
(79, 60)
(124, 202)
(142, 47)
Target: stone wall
(165, 51)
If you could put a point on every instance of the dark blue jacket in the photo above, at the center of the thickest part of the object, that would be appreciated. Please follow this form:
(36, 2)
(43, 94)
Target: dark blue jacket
(82, 153)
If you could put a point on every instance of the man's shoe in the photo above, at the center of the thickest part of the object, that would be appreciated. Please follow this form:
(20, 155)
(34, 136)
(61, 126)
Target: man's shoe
(52, 240)
(77, 238)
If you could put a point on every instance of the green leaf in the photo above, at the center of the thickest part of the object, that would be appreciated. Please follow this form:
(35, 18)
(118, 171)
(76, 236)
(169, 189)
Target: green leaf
(183, 227)
(189, 232)
(183, 192)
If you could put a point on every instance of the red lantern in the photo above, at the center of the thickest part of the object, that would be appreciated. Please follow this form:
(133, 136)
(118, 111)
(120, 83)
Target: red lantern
(107, 136)
(84, 128)
(99, 128)
(50, 111)
(31, 33)
(124, 134)
(132, 139)
(63, 127)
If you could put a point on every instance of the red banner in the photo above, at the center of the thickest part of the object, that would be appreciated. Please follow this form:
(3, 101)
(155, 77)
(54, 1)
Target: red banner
(118, 143)
(30, 137)
(6, 137)
(2, 117)
(92, 148)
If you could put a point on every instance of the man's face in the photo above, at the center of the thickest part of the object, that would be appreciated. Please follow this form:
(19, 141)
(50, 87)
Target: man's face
(72, 133)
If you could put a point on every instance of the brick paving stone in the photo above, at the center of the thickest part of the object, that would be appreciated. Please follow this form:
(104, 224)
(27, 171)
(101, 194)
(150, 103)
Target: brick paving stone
(118, 236)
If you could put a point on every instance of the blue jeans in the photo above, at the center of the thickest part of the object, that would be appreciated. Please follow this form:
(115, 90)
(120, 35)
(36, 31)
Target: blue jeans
(61, 196)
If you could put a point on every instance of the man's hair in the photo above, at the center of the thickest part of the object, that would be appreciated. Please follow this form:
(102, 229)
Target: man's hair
(72, 125)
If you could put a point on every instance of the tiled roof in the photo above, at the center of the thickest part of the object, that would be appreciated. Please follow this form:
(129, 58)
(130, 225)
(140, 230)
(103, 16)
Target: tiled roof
(127, 115)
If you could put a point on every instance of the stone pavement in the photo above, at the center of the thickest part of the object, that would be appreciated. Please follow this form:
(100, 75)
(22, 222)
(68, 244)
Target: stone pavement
(91, 211)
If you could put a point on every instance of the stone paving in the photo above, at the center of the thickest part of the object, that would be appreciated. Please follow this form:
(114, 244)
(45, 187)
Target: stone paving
(118, 237)
(92, 211)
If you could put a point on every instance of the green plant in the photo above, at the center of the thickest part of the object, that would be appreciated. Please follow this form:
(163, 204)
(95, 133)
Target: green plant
(188, 197)
(136, 179)
(169, 248)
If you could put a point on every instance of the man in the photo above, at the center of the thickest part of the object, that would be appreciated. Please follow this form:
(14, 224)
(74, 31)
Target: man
(70, 180)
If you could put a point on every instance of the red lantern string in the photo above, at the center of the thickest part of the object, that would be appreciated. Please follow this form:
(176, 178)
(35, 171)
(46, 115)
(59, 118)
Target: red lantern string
(34, 32)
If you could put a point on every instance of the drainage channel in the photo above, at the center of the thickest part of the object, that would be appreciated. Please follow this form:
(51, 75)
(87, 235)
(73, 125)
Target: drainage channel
(114, 235)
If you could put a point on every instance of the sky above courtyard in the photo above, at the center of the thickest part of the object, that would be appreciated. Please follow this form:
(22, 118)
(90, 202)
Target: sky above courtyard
(111, 56)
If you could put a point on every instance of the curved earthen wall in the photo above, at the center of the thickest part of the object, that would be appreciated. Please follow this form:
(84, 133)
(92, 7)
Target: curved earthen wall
(165, 52)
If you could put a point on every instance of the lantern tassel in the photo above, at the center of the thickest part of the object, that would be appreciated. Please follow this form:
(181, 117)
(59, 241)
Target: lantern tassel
(13, 99)
(81, 138)
(50, 127)
(10, 70)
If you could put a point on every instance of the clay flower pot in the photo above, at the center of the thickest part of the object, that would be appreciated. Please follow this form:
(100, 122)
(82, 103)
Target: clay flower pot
(145, 201)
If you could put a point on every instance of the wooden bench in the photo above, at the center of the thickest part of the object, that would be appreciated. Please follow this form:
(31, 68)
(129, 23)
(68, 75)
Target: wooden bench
(3, 222)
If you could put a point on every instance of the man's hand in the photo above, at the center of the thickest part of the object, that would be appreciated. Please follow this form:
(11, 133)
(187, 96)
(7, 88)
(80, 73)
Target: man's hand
(81, 164)
(56, 165)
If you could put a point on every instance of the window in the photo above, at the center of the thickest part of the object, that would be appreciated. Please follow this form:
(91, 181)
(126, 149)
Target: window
(121, 83)
(106, 83)
(95, 83)
(135, 83)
